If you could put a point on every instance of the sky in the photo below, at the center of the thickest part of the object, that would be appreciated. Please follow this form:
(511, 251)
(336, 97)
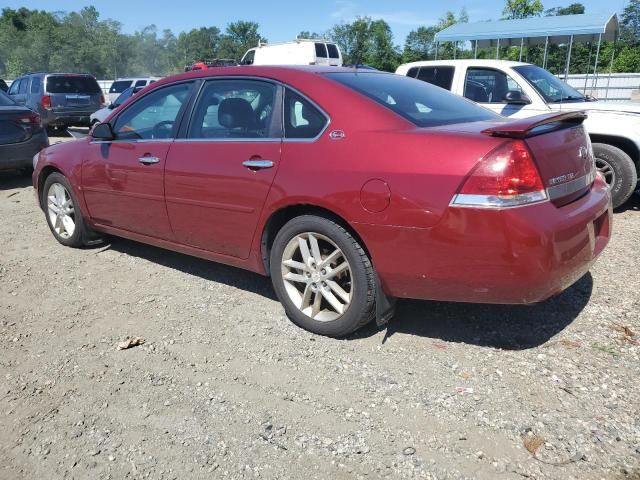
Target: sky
(283, 20)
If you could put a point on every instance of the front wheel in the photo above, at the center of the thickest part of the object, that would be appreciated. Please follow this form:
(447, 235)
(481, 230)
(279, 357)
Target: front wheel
(322, 276)
(619, 171)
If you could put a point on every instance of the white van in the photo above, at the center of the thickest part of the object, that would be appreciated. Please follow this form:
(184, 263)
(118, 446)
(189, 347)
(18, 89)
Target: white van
(302, 51)
(121, 84)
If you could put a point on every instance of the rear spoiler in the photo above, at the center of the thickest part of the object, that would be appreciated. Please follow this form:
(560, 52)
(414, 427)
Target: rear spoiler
(526, 127)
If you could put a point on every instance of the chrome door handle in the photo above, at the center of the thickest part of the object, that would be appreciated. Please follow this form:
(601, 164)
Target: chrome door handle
(148, 160)
(257, 164)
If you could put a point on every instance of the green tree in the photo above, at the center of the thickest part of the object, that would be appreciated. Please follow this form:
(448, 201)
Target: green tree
(522, 9)
(630, 23)
(239, 37)
(573, 9)
(367, 41)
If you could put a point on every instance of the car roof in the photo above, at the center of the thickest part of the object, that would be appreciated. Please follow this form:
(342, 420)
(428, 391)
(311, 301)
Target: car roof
(480, 61)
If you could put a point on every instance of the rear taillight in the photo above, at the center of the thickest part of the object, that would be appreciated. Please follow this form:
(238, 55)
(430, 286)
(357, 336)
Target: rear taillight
(31, 120)
(46, 101)
(506, 177)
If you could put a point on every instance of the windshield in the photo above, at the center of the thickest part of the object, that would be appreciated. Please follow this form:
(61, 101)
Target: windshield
(119, 86)
(550, 87)
(419, 102)
(72, 84)
(5, 100)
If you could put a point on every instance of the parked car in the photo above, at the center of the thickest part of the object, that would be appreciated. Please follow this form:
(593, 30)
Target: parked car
(216, 62)
(3, 85)
(61, 99)
(521, 90)
(21, 135)
(299, 52)
(103, 113)
(348, 188)
(121, 84)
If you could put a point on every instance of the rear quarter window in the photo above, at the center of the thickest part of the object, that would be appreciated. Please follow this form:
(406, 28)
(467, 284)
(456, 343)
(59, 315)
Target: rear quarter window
(72, 84)
(421, 103)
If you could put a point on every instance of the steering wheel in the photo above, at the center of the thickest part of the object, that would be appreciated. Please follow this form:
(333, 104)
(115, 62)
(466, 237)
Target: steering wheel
(162, 129)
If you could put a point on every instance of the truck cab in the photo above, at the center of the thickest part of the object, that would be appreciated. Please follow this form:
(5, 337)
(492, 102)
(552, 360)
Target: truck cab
(519, 90)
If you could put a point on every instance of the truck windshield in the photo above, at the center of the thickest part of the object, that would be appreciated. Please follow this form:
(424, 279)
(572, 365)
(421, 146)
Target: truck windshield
(550, 87)
(419, 102)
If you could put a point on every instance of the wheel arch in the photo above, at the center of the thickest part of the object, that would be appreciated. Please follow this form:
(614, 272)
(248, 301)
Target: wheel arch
(627, 145)
(281, 216)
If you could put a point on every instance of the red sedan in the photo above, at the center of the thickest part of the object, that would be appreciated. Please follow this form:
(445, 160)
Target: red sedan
(349, 188)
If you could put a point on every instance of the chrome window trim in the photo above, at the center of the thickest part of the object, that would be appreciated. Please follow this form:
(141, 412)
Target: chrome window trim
(236, 140)
(140, 140)
(573, 186)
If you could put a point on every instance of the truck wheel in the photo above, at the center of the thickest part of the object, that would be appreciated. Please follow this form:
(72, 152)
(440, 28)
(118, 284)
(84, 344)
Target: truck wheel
(619, 171)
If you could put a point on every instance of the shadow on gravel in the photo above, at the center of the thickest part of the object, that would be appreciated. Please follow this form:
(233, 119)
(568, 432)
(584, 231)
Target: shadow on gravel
(509, 327)
(216, 272)
(14, 179)
(632, 204)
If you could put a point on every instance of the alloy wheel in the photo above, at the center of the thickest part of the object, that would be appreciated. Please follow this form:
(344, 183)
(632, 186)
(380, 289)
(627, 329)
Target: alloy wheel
(61, 210)
(317, 276)
(606, 169)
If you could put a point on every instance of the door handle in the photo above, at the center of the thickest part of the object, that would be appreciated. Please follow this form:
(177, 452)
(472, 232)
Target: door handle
(257, 164)
(146, 160)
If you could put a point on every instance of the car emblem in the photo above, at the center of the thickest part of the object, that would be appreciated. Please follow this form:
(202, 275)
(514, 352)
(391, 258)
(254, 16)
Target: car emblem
(562, 178)
(336, 135)
(583, 152)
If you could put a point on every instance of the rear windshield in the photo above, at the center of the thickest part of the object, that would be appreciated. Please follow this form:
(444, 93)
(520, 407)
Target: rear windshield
(72, 84)
(417, 101)
(120, 86)
(5, 101)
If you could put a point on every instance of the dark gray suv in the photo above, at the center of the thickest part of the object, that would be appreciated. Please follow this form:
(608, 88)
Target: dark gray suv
(61, 99)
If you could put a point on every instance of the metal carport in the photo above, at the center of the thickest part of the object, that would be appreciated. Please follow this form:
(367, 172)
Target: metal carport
(562, 29)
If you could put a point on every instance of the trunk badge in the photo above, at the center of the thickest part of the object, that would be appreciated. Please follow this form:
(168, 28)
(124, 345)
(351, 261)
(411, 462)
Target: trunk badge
(336, 135)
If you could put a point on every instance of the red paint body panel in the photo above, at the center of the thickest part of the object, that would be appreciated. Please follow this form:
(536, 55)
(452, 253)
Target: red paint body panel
(201, 200)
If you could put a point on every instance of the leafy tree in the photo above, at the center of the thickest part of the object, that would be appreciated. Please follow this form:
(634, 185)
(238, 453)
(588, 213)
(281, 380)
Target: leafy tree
(522, 9)
(630, 24)
(308, 34)
(239, 37)
(367, 41)
(573, 9)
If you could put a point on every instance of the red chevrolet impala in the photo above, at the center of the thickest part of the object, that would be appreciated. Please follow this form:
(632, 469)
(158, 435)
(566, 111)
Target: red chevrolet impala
(349, 188)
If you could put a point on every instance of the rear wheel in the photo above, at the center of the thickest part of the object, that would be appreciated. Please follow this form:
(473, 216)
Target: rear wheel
(322, 276)
(619, 171)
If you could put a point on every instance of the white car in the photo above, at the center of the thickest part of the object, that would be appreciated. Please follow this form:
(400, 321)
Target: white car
(121, 84)
(102, 114)
(299, 52)
(519, 90)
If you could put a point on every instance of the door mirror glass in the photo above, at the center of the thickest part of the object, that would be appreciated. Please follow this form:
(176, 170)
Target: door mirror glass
(102, 131)
(516, 97)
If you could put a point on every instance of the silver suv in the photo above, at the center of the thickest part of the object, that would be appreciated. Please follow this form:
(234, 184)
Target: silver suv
(61, 99)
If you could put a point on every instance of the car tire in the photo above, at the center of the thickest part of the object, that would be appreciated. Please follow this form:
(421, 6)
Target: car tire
(63, 214)
(321, 294)
(619, 171)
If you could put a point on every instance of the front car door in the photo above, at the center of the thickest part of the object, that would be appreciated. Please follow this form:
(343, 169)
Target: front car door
(489, 87)
(123, 179)
(218, 176)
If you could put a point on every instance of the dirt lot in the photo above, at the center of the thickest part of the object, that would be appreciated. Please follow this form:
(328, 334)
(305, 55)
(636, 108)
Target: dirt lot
(226, 387)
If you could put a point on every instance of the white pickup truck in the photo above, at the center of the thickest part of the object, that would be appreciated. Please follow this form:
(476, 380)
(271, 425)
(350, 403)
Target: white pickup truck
(517, 89)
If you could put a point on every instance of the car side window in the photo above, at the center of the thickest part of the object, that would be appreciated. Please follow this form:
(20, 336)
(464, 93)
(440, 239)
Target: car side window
(301, 118)
(234, 109)
(154, 116)
(321, 50)
(24, 85)
(15, 86)
(486, 85)
(35, 85)
(140, 83)
(413, 72)
(439, 76)
(333, 50)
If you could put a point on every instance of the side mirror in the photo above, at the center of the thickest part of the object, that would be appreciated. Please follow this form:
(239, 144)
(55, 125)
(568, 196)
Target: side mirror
(102, 131)
(516, 97)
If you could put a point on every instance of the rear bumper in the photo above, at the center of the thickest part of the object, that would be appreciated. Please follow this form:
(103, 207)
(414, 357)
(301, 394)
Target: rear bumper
(514, 256)
(65, 118)
(20, 155)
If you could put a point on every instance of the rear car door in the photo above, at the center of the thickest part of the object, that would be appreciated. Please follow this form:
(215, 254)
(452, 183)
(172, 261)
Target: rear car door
(123, 179)
(218, 176)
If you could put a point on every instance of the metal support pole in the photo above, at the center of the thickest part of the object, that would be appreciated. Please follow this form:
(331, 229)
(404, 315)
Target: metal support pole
(594, 82)
(613, 51)
(475, 50)
(566, 67)
(497, 49)
(436, 51)
(544, 59)
(586, 77)
(455, 47)
(521, 46)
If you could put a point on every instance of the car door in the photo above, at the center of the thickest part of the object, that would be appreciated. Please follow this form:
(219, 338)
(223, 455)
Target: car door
(489, 87)
(18, 90)
(123, 179)
(218, 177)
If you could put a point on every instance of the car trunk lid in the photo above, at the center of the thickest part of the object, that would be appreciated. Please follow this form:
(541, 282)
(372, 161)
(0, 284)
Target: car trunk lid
(12, 127)
(561, 150)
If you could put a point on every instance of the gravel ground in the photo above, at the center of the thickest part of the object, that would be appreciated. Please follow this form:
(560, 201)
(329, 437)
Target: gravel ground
(226, 387)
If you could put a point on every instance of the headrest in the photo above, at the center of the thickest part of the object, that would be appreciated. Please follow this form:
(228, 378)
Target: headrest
(235, 113)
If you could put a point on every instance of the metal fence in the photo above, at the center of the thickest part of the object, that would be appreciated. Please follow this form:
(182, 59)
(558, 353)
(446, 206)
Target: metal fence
(614, 87)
